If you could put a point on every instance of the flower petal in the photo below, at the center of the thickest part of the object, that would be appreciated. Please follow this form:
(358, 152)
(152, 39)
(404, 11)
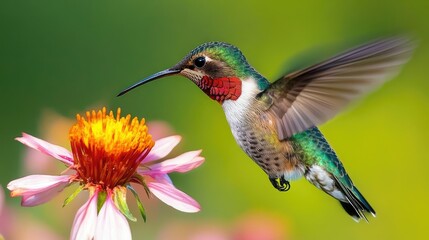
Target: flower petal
(55, 151)
(183, 163)
(85, 220)
(111, 224)
(162, 147)
(2, 203)
(37, 189)
(163, 178)
(173, 197)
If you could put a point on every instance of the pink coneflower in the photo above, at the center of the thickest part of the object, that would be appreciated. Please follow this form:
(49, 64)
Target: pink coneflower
(108, 153)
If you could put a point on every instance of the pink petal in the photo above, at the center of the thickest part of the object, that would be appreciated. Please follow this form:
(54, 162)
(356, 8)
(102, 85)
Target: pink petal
(183, 163)
(85, 220)
(55, 151)
(164, 178)
(2, 203)
(173, 197)
(37, 189)
(159, 129)
(162, 148)
(157, 177)
(111, 224)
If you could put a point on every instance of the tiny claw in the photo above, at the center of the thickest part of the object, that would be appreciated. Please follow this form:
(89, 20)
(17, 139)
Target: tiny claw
(280, 183)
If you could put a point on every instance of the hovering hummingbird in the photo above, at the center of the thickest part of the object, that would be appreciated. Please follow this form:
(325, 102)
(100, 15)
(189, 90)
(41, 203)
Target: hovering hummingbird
(276, 123)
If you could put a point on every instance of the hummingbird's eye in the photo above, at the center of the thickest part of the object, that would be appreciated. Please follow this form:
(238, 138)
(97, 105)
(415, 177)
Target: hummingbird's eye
(200, 61)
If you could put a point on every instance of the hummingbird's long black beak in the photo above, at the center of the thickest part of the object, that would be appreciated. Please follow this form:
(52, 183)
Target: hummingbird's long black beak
(152, 77)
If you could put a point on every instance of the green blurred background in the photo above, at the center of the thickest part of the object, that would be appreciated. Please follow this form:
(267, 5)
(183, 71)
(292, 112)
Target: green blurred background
(69, 56)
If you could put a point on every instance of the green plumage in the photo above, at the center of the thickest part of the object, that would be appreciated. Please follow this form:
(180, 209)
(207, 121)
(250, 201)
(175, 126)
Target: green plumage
(313, 149)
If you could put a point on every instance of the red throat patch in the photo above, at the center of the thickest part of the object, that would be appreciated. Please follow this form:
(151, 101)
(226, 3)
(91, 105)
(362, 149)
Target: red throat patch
(221, 89)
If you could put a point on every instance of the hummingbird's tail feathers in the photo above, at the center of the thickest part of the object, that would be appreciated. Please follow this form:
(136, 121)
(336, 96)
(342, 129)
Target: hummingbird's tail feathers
(352, 211)
(356, 204)
(341, 187)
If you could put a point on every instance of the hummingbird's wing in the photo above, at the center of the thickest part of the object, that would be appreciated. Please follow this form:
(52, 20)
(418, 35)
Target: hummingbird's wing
(309, 97)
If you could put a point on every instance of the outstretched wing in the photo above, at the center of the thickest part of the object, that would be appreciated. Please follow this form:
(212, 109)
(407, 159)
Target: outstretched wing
(307, 98)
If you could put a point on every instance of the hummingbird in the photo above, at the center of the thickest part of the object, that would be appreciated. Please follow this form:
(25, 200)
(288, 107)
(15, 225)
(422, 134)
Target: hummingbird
(275, 124)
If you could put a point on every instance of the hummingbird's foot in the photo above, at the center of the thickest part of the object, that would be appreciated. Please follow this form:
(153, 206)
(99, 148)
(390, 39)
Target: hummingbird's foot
(280, 183)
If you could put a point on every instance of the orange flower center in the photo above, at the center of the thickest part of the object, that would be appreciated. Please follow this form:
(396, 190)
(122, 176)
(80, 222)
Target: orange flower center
(107, 149)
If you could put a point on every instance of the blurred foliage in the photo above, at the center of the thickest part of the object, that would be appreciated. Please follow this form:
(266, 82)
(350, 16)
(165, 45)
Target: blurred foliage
(67, 56)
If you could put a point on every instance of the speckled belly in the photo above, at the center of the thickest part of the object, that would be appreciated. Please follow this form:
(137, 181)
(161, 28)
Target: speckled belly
(261, 143)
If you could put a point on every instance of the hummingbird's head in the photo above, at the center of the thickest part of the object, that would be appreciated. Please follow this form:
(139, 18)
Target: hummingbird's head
(217, 68)
(215, 60)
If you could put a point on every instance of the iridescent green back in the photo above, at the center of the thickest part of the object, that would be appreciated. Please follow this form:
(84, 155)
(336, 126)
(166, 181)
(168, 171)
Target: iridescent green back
(313, 148)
